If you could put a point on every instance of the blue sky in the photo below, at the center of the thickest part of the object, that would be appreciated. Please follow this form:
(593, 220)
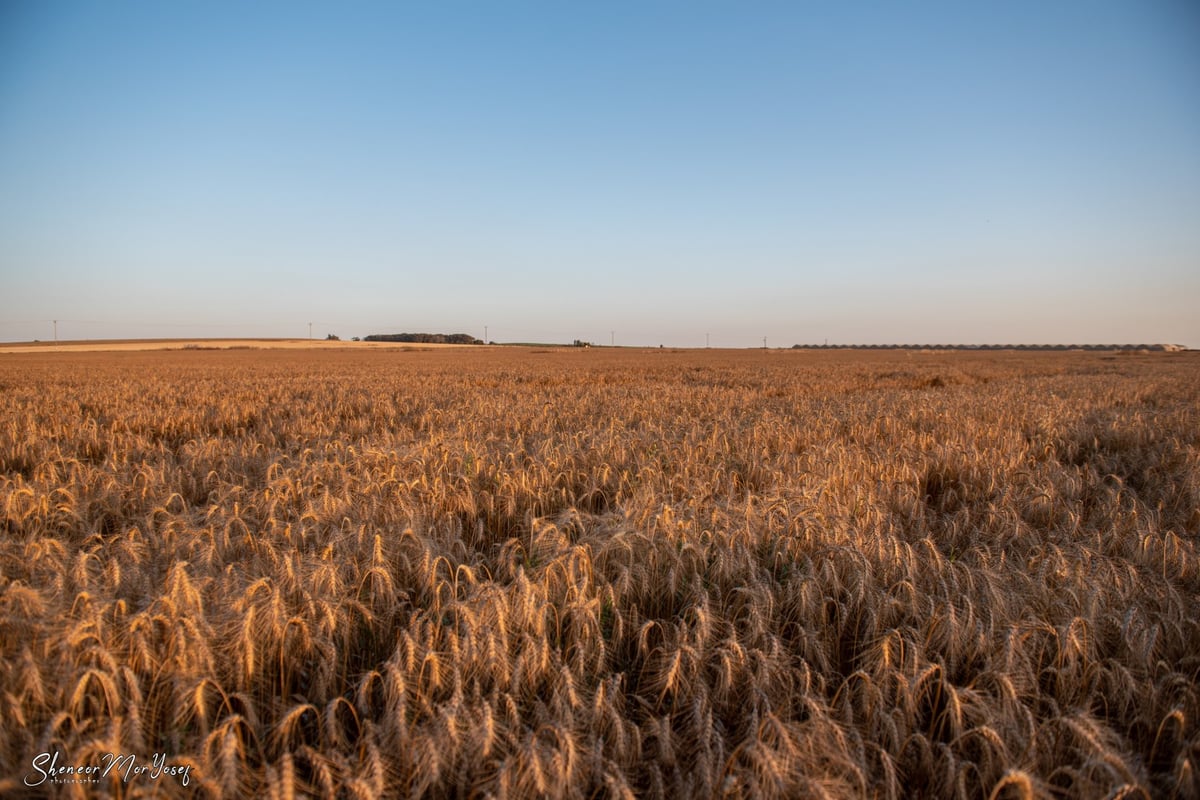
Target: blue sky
(857, 172)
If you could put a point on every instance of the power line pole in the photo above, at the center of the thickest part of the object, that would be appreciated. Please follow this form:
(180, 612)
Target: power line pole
(485, 338)
(310, 331)
(56, 332)
(764, 343)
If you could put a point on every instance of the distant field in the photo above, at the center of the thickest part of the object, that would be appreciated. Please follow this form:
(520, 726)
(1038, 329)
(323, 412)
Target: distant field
(512, 572)
(105, 345)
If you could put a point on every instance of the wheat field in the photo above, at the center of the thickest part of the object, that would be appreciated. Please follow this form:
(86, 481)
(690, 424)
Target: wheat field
(509, 573)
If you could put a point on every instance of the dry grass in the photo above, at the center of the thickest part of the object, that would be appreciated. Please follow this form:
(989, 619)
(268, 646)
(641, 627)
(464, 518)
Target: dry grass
(504, 573)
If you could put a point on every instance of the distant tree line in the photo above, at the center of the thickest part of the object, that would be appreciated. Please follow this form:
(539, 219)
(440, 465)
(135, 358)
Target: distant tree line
(425, 338)
(1149, 347)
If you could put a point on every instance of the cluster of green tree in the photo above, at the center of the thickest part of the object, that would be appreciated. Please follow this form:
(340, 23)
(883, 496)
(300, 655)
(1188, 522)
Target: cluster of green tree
(425, 338)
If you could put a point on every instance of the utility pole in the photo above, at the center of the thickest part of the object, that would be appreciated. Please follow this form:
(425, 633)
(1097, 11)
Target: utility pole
(764, 343)
(706, 341)
(485, 338)
(55, 332)
(310, 331)
(612, 338)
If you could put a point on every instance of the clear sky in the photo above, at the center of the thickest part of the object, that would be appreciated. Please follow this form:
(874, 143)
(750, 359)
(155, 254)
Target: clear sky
(885, 172)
